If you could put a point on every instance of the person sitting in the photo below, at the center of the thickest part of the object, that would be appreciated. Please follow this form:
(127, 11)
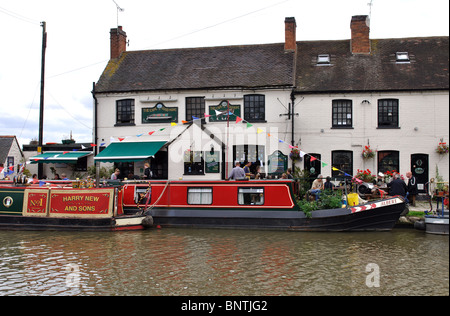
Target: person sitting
(237, 173)
(328, 185)
(397, 186)
(317, 187)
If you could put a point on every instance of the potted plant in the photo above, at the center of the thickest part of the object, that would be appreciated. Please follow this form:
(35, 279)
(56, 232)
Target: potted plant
(442, 148)
(365, 175)
(295, 154)
(368, 153)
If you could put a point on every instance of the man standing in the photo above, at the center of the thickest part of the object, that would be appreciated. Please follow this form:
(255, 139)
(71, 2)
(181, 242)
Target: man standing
(412, 188)
(237, 173)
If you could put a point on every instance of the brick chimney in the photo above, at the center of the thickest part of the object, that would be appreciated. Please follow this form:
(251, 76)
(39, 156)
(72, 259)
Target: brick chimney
(291, 37)
(360, 43)
(118, 42)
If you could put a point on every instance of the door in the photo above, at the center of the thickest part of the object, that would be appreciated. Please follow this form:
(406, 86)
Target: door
(420, 170)
(314, 166)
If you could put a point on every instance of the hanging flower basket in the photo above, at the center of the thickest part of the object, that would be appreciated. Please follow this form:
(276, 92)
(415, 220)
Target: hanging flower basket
(295, 154)
(442, 148)
(368, 153)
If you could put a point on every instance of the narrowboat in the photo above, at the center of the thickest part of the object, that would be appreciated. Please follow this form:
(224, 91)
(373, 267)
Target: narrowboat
(253, 204)
(59, 206)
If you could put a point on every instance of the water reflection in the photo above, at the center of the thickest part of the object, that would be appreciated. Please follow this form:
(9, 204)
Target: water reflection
(221, 262)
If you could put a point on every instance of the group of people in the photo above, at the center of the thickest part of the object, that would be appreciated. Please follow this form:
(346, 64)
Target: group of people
(239, 173)
(396, 187)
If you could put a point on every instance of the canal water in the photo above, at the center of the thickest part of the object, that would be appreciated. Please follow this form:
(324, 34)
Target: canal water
(202, 262)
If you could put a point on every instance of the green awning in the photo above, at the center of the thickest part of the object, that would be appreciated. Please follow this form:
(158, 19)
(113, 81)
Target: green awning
(129, 151)
(60, 157)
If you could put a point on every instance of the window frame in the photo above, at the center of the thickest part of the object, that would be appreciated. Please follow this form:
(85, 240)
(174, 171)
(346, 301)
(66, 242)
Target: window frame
(342, 107)
(197, 167)
(338, 174)
(195, 106)
(255, 108)
(210, 191)
(251, 188)
(130, 112)
(385, 107)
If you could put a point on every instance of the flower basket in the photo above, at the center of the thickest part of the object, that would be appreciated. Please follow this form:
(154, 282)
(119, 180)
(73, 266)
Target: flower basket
(368, 153)
(365, 175)
(295, 154)
(442, 148)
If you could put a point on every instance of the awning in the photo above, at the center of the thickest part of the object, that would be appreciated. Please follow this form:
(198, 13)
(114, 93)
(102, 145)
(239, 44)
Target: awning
(129, 151)
(60, 157)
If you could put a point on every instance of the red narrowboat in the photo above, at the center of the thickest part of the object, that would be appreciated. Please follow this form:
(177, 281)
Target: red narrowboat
(254, 204)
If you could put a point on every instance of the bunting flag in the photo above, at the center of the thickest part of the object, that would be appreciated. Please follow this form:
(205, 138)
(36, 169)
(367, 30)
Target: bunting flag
(237, 120)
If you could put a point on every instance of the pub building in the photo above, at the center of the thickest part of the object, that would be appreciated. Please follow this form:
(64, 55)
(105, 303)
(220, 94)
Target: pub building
(193, 112)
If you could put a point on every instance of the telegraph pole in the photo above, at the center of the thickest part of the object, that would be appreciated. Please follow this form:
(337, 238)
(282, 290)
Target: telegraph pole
(41, 108)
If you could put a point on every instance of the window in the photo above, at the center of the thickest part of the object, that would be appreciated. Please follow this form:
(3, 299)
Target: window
(388, 113)
(251, 196)
(250, 153)
(402, 57)
(342, 113)
(342, 160)
(323, 59)
(194, 163)
(388, 161)
(200, 196)
(255, 108)
(195, 107)
(125, 111)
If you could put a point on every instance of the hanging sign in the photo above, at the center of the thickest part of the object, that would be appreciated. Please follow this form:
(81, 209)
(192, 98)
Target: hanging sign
(277, 163)
(159, 114)
(223, 108)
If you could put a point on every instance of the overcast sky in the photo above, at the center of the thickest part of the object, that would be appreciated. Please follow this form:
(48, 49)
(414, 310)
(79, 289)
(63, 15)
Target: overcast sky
(78, 43)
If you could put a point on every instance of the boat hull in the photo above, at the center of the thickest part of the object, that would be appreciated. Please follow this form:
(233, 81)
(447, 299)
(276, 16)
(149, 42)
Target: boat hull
(334, 220)
(437, 225)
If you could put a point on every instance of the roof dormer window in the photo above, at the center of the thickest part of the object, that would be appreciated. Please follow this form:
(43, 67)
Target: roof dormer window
(323, 59)
(402, 57)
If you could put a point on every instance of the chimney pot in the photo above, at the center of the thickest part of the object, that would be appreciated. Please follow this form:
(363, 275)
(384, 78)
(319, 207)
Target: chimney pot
(360, 27)
(291, 37)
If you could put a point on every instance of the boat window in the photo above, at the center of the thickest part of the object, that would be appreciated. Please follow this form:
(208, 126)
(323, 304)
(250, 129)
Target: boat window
(251, 196)
(200, 196)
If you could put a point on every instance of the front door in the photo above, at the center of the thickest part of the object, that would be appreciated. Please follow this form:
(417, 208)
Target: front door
(420, 169)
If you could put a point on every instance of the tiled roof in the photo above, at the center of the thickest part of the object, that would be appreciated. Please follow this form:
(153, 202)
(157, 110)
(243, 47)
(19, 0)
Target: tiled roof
(378, 71)
(269, 66)
(249, 66)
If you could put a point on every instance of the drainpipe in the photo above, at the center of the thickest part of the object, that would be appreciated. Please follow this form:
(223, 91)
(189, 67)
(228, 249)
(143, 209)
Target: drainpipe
(95, 136)
(293, 124)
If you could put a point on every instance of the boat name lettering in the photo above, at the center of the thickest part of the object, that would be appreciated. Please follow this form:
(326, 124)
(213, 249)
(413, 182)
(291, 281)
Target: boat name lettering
(80, 198)
(83, 208)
